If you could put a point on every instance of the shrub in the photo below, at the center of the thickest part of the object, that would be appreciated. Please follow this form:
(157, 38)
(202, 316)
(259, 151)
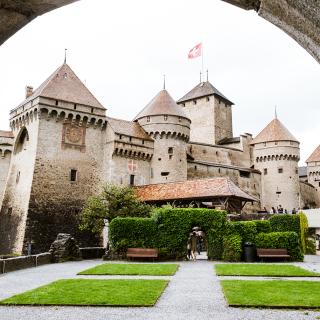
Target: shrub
(168, 230)
(263, 226)
(232, 248)
(281, 240)
(246, 229)
(311, 246)
(286, 222)
(133, 232)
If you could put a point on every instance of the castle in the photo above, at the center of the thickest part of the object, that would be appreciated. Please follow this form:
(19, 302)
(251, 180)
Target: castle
(62, 148)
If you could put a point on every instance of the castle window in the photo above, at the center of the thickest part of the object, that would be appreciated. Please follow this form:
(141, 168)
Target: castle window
(219, 170)
(208, 98)
(73, 175)
(75, 106)
(164, 174)
(9, 211)
(180, 119)
(264, 143)
(92, 109)
(159, 159)
(130, 139)
(170, 150)
(142, 141)
(217, 153)
(170, 156)
(297, 171)
(244, 174)
(120, 136)
(195, 168)
(165, 117)
(183, 104)
(148, 119)
(194, 101)
(276, 143)
(57, 102)
(265, 171)
(280, 170)
(131, 179)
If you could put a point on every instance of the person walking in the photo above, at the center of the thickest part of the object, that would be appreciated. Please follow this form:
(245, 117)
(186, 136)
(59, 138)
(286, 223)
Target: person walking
(193, 240)
(189, 247)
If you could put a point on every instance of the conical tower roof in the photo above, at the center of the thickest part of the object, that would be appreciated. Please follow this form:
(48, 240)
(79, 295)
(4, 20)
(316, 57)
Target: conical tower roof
(274, 131)
(64, 85)
(315, 156)
(161, 104)
(203, 89)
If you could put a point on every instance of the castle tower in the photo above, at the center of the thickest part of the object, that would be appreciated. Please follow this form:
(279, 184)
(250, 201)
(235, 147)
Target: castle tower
(169, 126)
(313, 169)
(210, 113)
(276, 155)
(57, 162)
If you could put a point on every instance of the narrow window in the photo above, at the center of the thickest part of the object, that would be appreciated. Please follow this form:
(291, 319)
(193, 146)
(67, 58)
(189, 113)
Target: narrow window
(208, 98)
(297, 171)
(159, 159)
(18, 177)
(265, 171)
(73, 175)
(180, 119)
(280, 170)
(165, 117)
(75, 106)
(244, 174)
(131, 179)
(164, 174)
(92, 109)
(195, 168)
(130, 139)
(57, 102)
(170, 150)
(194, 101)
(120, 137)
(148, 119)
(142, 141)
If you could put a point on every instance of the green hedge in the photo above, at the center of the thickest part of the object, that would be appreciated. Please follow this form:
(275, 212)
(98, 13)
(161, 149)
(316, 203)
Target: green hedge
(168, 230)
(246, 229)
(311, 246)
(232, 248)
(132, 232)
(291, 222)
(278, 240)
(263, 226)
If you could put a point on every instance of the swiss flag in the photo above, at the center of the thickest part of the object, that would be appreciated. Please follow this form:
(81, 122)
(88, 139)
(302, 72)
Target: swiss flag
(195, 52)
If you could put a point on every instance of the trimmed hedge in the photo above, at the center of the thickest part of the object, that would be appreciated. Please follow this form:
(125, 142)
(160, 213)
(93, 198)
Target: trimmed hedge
(281, 240)
(232, 248)
(291, 222)
(168, 230)
(311, 246)
(245, 229)
(263, 226)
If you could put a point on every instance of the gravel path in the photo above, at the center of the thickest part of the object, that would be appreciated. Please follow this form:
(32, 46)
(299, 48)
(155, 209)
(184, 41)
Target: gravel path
(194, 293)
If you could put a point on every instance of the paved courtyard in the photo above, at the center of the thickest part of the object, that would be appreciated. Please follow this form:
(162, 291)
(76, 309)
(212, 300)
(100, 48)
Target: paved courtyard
(193, 293)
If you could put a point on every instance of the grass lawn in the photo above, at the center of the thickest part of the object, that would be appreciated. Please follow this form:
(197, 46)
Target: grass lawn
(87, 292)
(274, 270)
(151, 269)
(272, 293)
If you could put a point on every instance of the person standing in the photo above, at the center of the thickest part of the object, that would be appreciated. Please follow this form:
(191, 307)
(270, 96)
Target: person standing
(189, 247)
(194, 245)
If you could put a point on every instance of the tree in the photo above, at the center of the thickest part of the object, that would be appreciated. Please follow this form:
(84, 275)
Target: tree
(114, 201)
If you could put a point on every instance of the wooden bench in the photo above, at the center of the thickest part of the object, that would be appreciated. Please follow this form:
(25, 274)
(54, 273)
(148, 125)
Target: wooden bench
(142, 253)
(272, 253)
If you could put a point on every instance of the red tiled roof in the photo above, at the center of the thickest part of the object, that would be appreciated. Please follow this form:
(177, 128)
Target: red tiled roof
(6, 134)
(192, 189)
(274, 131)
(315, 156)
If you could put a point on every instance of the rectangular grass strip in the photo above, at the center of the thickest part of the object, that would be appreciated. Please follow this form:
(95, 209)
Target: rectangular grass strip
(145, 269)
(87, 292)
(272, 293)
(272, 270)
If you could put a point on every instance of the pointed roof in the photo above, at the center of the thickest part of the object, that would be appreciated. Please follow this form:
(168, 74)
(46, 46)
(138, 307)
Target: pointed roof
(63, 84)
(274, 131)
(162, 104)
(315, 156)
(203, 89)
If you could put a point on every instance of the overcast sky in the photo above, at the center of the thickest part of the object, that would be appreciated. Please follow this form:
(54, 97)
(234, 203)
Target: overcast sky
(121, 49)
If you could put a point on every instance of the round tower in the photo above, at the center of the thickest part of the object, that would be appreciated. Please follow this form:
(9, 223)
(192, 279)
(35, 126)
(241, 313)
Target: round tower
(169, 126)
(276, 155)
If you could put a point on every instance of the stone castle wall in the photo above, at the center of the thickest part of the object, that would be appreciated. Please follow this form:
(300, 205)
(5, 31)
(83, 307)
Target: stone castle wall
(211, 119)
(17, 194)
(5, 158)
(309, 195)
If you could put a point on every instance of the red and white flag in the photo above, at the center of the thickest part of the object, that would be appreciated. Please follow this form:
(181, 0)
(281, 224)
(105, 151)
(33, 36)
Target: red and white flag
(195, 52)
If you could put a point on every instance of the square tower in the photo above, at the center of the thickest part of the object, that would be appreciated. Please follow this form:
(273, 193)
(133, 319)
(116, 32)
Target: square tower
(210, 113)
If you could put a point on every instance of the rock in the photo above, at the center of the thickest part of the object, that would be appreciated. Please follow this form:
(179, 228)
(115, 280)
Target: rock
(65, 248)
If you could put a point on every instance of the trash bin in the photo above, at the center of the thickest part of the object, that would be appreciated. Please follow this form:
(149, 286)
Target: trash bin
(249, 252)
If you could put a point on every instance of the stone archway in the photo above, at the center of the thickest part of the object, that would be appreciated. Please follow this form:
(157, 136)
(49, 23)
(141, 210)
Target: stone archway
(300, 19)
